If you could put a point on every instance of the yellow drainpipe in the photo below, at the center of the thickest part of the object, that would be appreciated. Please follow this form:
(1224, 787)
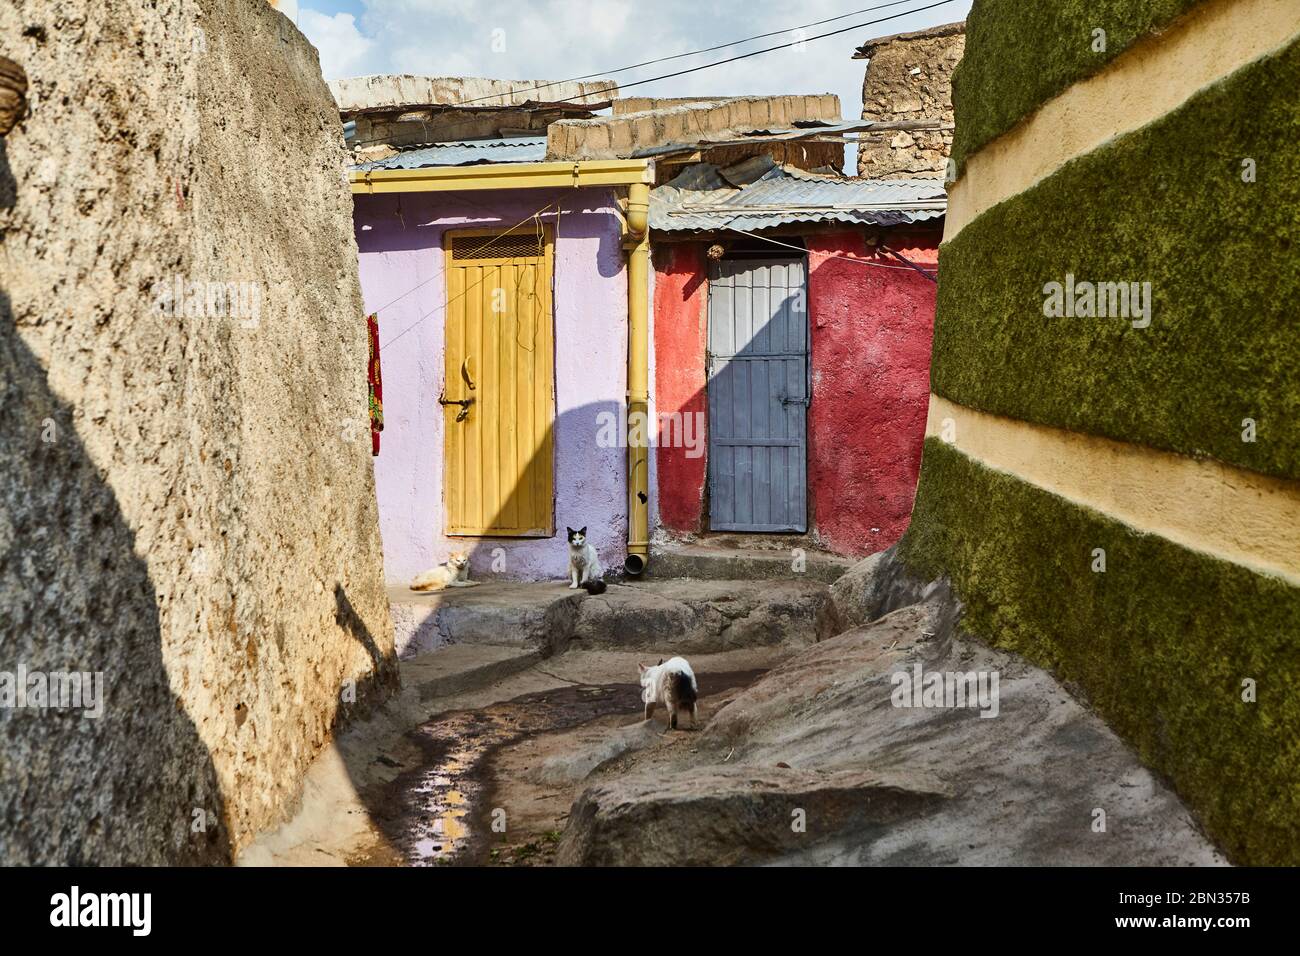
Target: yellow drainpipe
(637, 246)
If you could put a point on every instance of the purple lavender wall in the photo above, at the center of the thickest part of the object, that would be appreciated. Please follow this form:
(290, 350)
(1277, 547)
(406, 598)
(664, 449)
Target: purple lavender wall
(400, 241)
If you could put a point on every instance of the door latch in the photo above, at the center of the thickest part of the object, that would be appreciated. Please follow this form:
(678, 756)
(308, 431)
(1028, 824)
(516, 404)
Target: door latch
(464, 404)
(787, 400)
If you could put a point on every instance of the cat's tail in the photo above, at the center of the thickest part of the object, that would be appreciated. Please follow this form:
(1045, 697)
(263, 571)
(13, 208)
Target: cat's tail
(427, 581)
(594, 587)
(684, 689)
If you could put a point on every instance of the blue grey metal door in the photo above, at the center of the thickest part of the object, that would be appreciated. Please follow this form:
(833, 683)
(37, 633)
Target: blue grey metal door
(758, 395)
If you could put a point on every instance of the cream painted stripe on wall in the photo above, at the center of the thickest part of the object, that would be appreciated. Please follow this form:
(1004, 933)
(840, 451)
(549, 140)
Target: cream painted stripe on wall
(1137, 87)
(1234, 514)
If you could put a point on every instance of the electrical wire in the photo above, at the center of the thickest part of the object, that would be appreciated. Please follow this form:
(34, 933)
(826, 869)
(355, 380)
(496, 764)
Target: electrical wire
(442, 307)
(574, 101)
(770, 49)
(910, 267)
(679, 56)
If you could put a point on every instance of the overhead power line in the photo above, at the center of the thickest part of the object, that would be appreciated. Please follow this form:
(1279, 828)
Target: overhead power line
(678, 56)
(770, 49)
(911, 266)
(706, 66)
(534, 218)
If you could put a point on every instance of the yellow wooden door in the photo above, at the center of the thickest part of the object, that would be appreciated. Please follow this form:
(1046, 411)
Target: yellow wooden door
(499, 447)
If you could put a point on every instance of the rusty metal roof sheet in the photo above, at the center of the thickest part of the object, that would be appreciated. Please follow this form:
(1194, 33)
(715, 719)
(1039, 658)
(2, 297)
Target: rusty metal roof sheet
(809, 129)
(760, 194)
(510, 149)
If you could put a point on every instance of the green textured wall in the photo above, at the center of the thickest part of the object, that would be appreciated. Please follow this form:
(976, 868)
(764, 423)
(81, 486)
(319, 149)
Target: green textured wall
(1166, 205)
(1159, 643)
(1020, 54)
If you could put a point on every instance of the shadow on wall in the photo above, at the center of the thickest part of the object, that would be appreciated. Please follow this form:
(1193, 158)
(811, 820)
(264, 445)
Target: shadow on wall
(580, 497)
(868, 335)
(135, 785)
(380, 682)
(402, 241)
(8, 185)
(756, 396)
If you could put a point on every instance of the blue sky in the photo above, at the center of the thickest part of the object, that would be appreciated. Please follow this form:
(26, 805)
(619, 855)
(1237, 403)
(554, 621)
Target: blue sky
(557, 39)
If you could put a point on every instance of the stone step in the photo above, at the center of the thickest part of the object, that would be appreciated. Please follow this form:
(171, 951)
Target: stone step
(532, 615)
(674, 615)
(687, 615)
(716, 562)
(458, 668)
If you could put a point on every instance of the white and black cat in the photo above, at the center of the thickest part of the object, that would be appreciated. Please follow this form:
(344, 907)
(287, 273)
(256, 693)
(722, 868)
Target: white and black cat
(671, 684)
(584, 563)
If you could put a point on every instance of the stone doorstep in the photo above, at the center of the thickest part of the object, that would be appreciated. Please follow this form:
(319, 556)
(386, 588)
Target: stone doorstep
(679, 615)
(714, 562)
(507, 614)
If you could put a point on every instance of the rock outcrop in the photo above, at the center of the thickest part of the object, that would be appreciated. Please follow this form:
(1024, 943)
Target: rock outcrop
(817, 763)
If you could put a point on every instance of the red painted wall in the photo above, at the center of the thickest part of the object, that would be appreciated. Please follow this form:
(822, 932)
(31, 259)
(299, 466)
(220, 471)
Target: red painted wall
(680, 341)
(871, 330)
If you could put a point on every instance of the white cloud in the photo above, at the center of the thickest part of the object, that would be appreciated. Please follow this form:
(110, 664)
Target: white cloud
(558, 39)
(343, 48)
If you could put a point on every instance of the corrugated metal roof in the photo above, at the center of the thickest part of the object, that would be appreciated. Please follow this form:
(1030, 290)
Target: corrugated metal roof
(467, 152)
(759, 194)
(806, 130)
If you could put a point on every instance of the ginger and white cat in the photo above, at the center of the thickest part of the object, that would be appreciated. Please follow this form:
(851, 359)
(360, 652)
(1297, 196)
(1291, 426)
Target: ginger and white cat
(584, 563)
(671, 684)
(454, 573)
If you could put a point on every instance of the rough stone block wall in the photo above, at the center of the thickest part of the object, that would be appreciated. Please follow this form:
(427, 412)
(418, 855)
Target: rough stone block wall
(909, 78)
(449, 125)
(620, 135)
(188, 505)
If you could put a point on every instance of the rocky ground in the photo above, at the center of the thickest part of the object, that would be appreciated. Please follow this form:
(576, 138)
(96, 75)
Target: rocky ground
(521, 745)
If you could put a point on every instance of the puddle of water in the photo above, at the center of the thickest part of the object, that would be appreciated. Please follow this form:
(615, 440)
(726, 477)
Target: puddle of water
(430, 815)
(441, 829)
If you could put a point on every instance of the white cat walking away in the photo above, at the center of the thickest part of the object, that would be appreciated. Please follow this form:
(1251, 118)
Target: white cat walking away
(671, 683)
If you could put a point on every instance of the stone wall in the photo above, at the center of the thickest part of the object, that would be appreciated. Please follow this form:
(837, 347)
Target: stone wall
(406, 128)
(187, 506)
(1111, 478)
(688, 121)
(356, 93)
(909, 77)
